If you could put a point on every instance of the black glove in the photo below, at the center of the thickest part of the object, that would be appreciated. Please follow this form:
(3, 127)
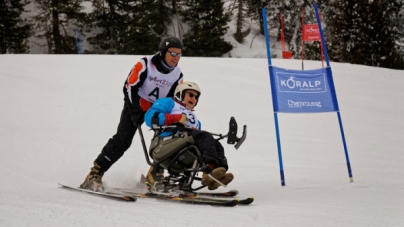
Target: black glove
(223, 163)
(136, 115)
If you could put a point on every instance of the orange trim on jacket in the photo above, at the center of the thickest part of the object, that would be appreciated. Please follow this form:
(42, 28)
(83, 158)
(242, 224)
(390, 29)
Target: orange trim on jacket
(133, 77)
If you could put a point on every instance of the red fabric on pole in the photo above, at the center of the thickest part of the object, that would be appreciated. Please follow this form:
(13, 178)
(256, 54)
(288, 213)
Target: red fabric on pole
(285, 54)
(311, 32)
(282, 35)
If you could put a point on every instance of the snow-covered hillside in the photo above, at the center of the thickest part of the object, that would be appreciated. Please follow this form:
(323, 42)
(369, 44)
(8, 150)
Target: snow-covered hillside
(57, 112)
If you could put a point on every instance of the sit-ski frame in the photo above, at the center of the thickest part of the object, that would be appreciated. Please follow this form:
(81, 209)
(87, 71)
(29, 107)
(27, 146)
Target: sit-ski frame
(231, 139)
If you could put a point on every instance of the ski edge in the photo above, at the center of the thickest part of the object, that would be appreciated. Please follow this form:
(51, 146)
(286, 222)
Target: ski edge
(123, 196)
(190, 200)
(230, 193)
(240, 201)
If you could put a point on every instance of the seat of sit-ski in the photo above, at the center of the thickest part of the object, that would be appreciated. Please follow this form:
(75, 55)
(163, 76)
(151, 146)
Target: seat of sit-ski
(166, 148)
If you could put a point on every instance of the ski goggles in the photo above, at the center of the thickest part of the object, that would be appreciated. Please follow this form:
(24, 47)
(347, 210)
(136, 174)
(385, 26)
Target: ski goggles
(173, 54)
(192, 95)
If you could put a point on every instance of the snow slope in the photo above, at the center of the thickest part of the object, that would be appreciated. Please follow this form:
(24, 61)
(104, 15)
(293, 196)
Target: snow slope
(57, 112)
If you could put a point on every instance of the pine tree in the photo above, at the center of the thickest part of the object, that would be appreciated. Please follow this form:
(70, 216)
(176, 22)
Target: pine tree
(240, 8)
(367, 32)
(14, 31)
(129, 27)
(57, 21)
(150, 21)
(254, 11)
(208, 24)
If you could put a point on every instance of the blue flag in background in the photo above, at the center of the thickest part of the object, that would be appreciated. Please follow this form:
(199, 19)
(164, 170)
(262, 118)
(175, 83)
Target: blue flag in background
(79, 42)
(303, 91)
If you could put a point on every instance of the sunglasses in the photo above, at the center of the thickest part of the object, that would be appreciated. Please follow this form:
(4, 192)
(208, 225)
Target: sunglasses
(173, 54)
(192, 95)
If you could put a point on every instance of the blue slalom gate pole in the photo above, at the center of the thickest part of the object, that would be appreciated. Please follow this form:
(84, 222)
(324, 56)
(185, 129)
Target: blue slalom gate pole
(278, 141)
(338, 112)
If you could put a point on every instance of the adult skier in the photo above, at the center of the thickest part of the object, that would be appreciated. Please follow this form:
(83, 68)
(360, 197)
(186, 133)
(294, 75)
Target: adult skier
(155, 76)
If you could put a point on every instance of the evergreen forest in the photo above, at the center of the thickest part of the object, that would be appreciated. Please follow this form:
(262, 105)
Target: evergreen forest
(367, 32)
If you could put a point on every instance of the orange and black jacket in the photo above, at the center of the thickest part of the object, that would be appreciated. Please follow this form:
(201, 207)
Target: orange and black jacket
(136, 79)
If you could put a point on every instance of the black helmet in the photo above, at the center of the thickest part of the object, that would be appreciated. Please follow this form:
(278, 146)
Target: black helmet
(168, 42)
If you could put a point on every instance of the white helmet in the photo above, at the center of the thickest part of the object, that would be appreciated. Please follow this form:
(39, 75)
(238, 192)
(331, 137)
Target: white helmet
(179, 90)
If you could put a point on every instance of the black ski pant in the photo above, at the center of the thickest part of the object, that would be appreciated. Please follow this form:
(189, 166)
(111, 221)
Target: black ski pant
(211, 149)
(120, 142)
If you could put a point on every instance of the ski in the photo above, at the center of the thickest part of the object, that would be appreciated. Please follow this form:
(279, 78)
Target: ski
(189, 199)
(207, 198)
(113, 195)
(211, 198)
(245, 201)
(230, 193)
